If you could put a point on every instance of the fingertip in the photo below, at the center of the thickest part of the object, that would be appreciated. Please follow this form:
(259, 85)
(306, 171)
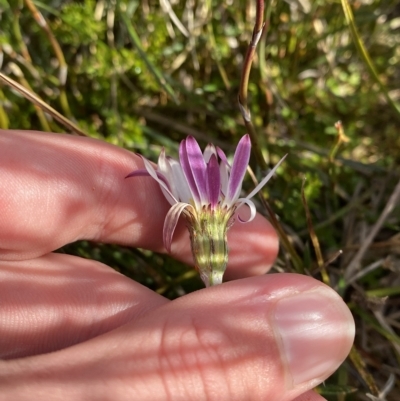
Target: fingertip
(279, 335)
(315, 330)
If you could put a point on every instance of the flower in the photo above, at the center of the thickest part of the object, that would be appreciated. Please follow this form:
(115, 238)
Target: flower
(205, 189)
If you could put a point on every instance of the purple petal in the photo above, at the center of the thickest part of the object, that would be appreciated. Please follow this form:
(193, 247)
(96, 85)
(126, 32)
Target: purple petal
(187, 171)
(171, 220)
(213, 181)
(239, 166)
(144, 173)
(138, 173)
(198, 166)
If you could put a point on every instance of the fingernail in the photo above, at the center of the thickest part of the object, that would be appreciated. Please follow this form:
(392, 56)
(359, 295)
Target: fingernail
(316, 330)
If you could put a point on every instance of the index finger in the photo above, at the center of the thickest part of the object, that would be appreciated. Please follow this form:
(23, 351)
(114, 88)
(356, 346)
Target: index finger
(56, 189)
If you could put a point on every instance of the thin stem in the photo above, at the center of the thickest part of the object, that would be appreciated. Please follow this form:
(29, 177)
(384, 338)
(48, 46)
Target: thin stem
(258, 31)
(244, 82)
(341, 138)
(262, 63)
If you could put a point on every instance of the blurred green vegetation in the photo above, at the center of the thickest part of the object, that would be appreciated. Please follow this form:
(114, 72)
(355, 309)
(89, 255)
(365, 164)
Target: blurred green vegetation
(144, 74)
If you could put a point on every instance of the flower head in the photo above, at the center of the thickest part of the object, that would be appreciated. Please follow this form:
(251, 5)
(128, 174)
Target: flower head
(205, 189)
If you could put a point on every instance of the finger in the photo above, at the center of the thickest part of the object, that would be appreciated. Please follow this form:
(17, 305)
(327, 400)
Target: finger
(56, 189)
(57, 300)
(267, 338)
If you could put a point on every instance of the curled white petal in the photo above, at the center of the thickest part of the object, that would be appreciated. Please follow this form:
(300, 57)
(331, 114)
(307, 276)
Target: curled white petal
(167, 193)
(171, 220)
(265, 179)
(240, 202)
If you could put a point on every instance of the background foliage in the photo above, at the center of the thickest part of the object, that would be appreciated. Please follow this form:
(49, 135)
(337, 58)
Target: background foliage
(144, 74)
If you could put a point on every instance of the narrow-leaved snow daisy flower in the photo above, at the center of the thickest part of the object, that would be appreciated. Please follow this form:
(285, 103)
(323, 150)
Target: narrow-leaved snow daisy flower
(205, 189)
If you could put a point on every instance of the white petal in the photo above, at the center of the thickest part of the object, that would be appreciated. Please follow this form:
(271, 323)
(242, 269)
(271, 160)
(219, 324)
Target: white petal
(171, 220)
(223, 171)
(208, 151)
(164, 188)
(181, 185)
(164, 167)
(265, 179)
(240, 202)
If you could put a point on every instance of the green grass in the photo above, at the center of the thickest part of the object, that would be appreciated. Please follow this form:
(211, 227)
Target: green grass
(139, 79)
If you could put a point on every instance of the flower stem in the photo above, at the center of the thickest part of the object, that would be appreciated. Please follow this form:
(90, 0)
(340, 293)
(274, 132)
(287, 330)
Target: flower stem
(244, 82)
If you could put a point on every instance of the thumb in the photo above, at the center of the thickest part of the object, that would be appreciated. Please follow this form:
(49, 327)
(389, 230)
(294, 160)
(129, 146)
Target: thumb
(263, 338)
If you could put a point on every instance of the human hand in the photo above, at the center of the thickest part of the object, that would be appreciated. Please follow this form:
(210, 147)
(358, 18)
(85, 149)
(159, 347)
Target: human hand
(270, 337)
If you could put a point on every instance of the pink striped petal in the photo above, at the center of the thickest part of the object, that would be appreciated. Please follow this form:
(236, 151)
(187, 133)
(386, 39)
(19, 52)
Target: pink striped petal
(239, 166)
(138, 173)
(144, 173)
(187, 171)
(213, 181)
(198, 167)
(171, 220)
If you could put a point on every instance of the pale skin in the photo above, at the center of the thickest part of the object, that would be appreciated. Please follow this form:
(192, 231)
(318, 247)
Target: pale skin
(257, 337)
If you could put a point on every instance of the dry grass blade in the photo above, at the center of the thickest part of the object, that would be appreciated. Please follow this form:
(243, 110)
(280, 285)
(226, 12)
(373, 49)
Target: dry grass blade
(37, 101)
(360, 366)
(354, 264)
